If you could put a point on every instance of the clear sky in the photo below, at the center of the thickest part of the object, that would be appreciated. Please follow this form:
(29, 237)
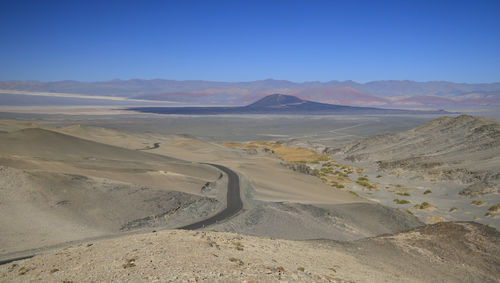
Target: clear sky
(250, 40)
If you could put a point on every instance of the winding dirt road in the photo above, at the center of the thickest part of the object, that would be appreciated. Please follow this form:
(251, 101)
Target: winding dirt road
(233, 200)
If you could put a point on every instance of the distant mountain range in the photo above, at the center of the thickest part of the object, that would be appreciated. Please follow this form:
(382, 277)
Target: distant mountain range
(281, 104)
(400, 94)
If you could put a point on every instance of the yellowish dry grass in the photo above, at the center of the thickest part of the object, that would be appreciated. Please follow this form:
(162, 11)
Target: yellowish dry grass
(338, 182)
(332, 172)
(287, 153)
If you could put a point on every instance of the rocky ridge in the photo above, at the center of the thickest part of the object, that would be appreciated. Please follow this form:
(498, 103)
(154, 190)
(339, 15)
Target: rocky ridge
(462, 149)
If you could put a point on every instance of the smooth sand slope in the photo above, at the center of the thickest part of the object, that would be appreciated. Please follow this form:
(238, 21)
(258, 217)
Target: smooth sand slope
(56, 188)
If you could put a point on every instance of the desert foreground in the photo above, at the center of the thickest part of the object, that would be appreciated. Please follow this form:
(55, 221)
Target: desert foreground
(102, 198)
(420, 255)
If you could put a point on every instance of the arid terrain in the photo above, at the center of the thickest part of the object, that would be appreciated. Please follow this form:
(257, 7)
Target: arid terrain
(428, 254)
(249, 141)
(85, 192)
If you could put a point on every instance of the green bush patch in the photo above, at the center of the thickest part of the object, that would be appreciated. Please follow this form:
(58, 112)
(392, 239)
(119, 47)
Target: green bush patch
(401, 201)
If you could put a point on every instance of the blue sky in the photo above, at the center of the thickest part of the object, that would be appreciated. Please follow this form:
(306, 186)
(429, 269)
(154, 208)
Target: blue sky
(250, 40)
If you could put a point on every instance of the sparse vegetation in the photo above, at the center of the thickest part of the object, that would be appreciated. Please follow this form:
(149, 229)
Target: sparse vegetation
(129, 263)
(492, 210)
(236, 260)
(362, 179)
(401, 201)
(280, 269)
(238, 246)
(300, 268)
(341, 174)
(23, 270)
(379, 176)
(354, 193)
(337, 185)
(365, 184)
(423, 205)
(326, 170)
(13, 266)
(212, 243)
(409, 212)
(477, 202)
(427, 192)
(452, 209)
(287, 153)
(406, 194)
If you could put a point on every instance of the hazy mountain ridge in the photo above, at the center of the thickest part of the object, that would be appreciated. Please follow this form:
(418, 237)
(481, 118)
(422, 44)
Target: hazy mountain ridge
(382, 93)
(461, 149)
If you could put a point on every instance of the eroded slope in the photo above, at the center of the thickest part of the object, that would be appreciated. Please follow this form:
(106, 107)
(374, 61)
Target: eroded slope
(463, 149)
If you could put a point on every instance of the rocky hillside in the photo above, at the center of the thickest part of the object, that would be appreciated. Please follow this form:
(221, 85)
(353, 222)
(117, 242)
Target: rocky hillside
(444, 252)
(461, 149)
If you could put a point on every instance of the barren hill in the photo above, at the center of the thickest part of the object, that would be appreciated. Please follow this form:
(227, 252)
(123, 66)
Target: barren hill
(461, 149)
